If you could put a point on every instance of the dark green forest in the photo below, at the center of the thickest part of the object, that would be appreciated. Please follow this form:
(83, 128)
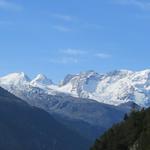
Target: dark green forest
(131, 134)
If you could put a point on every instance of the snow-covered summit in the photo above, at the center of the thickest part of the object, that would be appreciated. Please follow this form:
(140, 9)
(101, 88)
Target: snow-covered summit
(41, 79)
(76, 84)
(15, 78)
(113, 88)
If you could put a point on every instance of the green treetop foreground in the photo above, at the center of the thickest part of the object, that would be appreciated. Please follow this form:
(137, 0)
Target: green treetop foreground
(132, 134)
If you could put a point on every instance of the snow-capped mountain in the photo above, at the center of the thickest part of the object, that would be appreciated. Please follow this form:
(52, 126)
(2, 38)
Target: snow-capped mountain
(113, 88)
(15, 79)
(41, 79)
(69, 102)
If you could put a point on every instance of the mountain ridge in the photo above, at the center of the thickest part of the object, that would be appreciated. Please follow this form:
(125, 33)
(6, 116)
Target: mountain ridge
(113, 88)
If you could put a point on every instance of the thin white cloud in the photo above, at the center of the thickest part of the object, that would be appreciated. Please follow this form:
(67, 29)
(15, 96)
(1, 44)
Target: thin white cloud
(145, 5)
(65, 60)
(75, 56)
(103, 55)
(78, 22)
(62, 28)
(63, 17)
(7, 5)
(73, 52)
(69, 56)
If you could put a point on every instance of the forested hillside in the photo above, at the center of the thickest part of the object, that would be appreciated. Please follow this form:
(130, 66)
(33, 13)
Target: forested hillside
(132, 134)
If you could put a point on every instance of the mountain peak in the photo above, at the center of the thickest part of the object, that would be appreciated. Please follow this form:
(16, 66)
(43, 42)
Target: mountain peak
(15, 77)
(113, 88)
(42, 79)
(119, 72)
(88, 73)
(67, 79)
(81, 75)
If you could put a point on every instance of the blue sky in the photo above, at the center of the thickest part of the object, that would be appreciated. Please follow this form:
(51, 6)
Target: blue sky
(56, 37)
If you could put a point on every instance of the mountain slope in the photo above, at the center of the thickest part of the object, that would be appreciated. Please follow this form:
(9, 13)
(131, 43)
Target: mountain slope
(28, 128)
(132, 134)
(88, 117)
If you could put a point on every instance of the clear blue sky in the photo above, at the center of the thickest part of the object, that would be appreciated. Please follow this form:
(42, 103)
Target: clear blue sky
(57, 37)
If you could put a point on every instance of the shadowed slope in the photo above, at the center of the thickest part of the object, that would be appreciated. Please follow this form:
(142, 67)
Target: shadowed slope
(23, 127)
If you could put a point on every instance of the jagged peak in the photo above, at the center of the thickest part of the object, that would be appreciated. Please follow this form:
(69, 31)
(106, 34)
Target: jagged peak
(85, 74)
(88, 73)
(21, 76)
(42, 79)
(146, 71)
(66, 79)
(119, 72)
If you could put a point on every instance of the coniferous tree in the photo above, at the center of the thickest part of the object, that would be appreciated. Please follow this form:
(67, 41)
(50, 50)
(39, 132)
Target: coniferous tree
(132, 134)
